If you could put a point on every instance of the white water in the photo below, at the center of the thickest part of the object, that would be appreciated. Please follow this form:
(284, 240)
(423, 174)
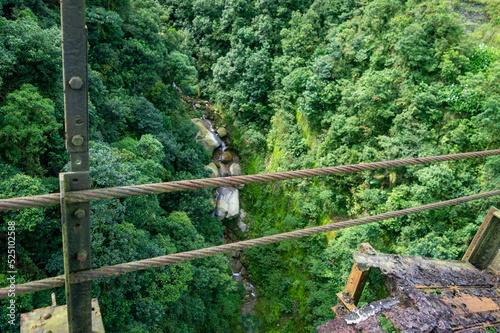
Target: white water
(248, 305)
(223, 145)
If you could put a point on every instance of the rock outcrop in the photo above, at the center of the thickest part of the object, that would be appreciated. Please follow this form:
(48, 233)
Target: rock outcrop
(209, 140)
(214, 169)
(228, 203)
(241, 224)
(222, 132)
(235, 169)
(224, 170)
(227, 157)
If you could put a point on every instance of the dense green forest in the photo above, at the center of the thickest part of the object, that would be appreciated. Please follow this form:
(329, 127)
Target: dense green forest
(300, 84)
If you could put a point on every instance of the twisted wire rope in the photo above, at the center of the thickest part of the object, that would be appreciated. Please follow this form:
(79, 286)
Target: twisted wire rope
(170, 259)
(184, 185)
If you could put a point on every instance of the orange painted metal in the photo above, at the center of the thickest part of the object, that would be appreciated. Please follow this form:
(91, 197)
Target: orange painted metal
(355, 283)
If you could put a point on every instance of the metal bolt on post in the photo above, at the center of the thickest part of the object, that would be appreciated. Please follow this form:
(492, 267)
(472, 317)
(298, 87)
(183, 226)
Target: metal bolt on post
(76, 82)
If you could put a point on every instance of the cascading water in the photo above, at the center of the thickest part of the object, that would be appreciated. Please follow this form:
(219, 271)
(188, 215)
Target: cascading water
(238, 271)
(235, 264)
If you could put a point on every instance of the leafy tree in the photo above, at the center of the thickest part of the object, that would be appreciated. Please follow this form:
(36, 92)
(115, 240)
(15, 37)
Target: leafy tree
(26, 123)
(31, 54)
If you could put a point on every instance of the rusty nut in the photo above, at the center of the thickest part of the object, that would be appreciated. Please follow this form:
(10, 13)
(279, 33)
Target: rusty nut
(81, 256)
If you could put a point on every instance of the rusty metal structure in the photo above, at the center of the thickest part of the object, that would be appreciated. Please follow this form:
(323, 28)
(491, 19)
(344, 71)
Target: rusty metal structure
(77, 316)
(81, 314)
(482, 251)
(427, 295)
(76, 216)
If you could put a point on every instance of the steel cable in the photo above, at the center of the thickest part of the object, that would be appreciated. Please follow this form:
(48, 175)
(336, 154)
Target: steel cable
(170, 259)
(184, 185)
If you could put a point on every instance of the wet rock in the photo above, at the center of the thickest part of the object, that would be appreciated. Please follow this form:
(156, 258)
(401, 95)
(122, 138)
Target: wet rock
(242, 226)
(238, 277)
(226, 157)
(235, 254)
(248, 286)
(236, 158)
(243, 257)
(214, 169)
(241, 218)
(222, 132)
(224, 170)
(209, 140)
(236, 266)
(249, 305)
(228, 203)
(235, 169)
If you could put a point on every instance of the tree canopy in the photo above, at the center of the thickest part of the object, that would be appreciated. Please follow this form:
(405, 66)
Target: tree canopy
(299, 84)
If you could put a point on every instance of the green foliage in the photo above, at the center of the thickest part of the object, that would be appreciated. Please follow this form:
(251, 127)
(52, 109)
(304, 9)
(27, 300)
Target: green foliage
(317, 84)
(141, 135)
(138, 228)
(20, 185)
(305, 84)
(481, 58)
(30, 54)
(387, 325)
(27, 122)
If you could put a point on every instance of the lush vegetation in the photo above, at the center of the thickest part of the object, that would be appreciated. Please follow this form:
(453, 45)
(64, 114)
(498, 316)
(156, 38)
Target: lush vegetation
(141, 134)
(304, 84)
(323, 83)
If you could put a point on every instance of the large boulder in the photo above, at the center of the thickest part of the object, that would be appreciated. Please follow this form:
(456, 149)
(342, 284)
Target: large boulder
(236, 266)
(224, 170)
(209, 140)
(222, 132)
(214, 169)
(228, 203)
(235, 169)
(226, 157)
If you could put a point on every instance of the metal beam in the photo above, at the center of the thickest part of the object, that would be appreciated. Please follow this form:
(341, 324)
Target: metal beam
(349, 298)
(77, 248)
(484, 250)
(75, 216)
(74, 39)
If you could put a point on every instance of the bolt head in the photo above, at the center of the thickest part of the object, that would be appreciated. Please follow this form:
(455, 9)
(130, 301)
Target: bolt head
(75, 82)
(79, 213)
(46, 315)
(77, 140)
(81, 256)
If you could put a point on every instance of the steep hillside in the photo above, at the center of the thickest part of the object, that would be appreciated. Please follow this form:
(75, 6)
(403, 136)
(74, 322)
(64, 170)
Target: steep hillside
(299, 84)
(141, 133)
(320, 83)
